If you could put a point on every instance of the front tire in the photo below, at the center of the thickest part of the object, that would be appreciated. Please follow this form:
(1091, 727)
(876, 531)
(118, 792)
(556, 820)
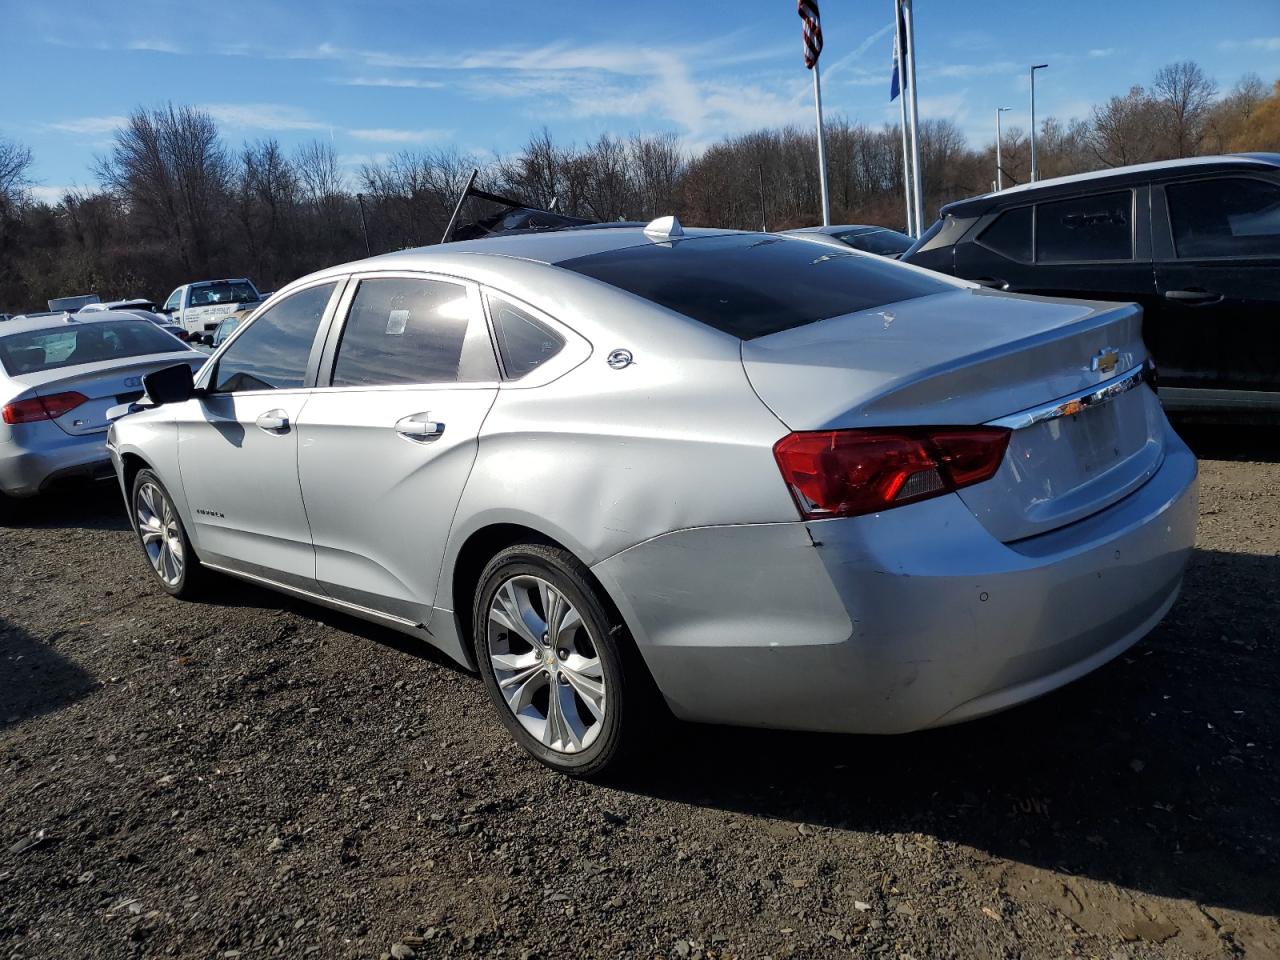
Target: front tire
(165, 544)
(557, 663)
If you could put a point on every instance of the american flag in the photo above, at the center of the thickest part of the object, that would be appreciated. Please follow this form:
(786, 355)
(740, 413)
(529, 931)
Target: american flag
(808, 10)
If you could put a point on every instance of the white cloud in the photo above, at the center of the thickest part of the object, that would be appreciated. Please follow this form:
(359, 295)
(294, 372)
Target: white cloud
(262, 116)
(1099, 52)
(964, 70)
(157, 46)
(1269, 44)
(92, 126)
(407, 82)
(392, 135)
(52, 195)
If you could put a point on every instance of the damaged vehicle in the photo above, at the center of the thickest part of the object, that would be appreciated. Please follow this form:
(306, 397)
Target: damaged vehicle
(729, 476)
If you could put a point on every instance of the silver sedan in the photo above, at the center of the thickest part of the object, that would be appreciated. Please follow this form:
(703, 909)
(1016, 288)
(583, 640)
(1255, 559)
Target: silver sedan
(733, 476)
(59, 375)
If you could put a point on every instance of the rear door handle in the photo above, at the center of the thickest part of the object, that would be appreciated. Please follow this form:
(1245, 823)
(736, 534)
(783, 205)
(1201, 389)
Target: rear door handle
(420, 427)
(995, 283)
(273, 421)
(1194, 295)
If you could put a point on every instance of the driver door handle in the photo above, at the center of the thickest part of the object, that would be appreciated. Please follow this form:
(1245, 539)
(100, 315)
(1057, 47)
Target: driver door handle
(419, 427)
(1192, 296)
(273, 421)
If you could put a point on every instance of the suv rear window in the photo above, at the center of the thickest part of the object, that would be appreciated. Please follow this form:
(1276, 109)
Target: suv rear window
(76, 343)
(752, 285)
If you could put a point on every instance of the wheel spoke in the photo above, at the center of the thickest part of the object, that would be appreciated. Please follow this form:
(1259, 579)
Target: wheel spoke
(508, 612)
(519, 690)
(591, 691)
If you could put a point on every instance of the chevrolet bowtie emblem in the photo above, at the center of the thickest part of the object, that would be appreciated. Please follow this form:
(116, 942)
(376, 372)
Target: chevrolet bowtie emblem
(1105, 360)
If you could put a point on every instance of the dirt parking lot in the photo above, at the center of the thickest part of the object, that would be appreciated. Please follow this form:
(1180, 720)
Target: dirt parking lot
(257, 778)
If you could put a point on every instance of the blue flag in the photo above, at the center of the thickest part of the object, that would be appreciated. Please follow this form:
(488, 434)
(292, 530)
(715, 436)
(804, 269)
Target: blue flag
(895, 82)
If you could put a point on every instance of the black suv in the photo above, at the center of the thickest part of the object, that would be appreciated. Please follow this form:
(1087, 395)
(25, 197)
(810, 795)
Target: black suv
(1196, 242)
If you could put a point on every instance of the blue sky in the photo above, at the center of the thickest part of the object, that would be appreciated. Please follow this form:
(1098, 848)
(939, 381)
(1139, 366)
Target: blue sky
(387, 75)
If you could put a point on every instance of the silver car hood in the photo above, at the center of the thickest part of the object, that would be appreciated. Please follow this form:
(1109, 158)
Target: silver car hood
(965, 356)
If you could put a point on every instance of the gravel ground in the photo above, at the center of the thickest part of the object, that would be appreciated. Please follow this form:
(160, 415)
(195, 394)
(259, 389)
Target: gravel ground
(257, 777)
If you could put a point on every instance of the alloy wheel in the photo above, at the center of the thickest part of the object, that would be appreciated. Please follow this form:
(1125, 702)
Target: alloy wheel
(546, 664)
(160, 533)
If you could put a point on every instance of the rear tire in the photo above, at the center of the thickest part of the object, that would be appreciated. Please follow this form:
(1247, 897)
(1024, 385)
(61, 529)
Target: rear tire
(165, 545)
(568, 686)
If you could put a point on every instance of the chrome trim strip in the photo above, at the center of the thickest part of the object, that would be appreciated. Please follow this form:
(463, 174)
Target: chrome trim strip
(1069, 406)
(316, 597)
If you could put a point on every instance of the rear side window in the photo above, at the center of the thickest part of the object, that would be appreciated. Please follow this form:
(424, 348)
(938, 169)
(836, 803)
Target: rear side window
(404, 330)
(272, 352)
(1010, 234)
(1227, 217)
(215, 294)
(78, 343)
(1085, 228)
(751, 285)
(524, 343)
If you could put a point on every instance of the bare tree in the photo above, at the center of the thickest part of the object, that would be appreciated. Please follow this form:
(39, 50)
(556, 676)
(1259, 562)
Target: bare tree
(1185, 94)
(170, 166)
(15, 165)
(1124, 129)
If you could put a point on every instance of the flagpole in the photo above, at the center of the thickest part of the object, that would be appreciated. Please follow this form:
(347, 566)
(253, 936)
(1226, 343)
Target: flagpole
(822, 150)
(900, 67)
(918, 193)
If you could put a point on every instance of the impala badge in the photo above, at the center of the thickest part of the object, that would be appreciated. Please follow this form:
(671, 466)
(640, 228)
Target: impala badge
(1105, 360)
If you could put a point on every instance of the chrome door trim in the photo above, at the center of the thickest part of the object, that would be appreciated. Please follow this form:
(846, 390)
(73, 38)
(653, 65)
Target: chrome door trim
(346, 605)
(1069, 406)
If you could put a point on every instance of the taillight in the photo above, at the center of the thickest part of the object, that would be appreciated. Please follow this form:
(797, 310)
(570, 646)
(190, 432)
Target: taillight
(42, 408)
(847, 473)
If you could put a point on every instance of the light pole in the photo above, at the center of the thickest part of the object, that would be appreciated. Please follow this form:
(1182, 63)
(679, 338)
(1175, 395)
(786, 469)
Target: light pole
(999, 165)
(1038, 66)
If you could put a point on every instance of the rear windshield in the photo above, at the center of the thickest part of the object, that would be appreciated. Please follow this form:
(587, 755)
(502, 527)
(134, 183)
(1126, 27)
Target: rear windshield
(887, 243)
(751, 285)
(76, 343)
(213, 294)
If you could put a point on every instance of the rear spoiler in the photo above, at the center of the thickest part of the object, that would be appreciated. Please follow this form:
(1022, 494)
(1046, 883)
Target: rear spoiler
(515, 217)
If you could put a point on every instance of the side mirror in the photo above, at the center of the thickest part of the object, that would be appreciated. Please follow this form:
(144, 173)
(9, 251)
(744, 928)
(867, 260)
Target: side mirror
(174, 384)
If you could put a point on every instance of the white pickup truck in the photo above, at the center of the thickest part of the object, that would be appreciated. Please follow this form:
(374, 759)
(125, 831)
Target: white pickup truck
(199, 307)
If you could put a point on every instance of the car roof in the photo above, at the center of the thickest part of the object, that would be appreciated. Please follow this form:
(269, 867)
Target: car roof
(841, 228)
(62, 321)
(1116, 176)
(548, 246)
(212, 283)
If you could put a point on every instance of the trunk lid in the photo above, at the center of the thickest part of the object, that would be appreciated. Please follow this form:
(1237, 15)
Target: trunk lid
(106, 384)
(974, 357)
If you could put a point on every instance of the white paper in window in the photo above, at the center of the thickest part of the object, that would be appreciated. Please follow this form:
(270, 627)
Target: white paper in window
(397, 320)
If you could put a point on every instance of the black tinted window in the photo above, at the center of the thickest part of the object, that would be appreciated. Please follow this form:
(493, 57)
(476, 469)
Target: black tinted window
(1229, 217)
(887, 243)
(1085, 228)
(523, 342)
(403, 331)
(1010, 234)
(750, 285)
(272, 352)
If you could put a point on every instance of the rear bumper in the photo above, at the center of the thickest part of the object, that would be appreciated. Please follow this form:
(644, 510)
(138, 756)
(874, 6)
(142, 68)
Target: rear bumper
(913, 618)
(38, 454)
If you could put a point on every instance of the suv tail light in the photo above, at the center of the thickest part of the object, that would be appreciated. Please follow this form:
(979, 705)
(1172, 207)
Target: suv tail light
(848, 473)
(42, 408)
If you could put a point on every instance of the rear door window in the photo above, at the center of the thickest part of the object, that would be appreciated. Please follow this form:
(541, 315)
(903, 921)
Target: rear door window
(408, 330)
(751, 285)
(1226, 217)
(273, 351)
(1085, 229)
(1010, 234)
